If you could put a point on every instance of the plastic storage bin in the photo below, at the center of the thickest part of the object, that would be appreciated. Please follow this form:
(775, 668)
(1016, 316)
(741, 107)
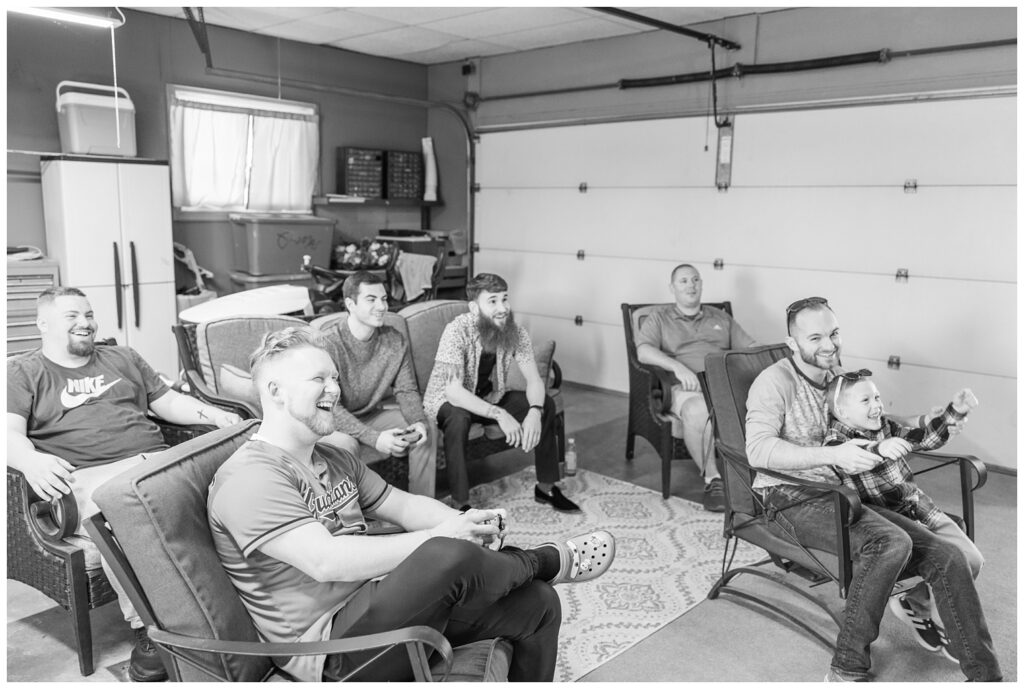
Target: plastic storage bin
(274, 244)
(87, 122)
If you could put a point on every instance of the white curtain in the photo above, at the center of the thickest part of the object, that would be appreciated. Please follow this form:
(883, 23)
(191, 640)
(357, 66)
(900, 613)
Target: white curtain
(284, 163)
(208, 157)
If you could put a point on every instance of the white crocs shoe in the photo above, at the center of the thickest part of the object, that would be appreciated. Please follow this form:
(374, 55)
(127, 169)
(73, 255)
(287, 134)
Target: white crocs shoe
(584, 557)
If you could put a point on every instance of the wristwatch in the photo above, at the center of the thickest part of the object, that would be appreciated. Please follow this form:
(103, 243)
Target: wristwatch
(538, 408)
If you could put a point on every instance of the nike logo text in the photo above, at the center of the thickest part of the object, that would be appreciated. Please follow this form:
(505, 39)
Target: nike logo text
(78, 392)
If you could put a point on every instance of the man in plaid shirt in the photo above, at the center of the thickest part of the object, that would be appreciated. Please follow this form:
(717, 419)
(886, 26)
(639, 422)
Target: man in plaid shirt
(856, 413)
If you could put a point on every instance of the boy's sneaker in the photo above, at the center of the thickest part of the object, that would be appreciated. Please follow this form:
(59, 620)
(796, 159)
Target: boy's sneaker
(928, 634)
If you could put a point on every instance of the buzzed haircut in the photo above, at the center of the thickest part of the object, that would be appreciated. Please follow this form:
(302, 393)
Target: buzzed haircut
(49, 295)
(485, 282)
(679, 267)
(350, 290)
(801, 305)
(277, 343)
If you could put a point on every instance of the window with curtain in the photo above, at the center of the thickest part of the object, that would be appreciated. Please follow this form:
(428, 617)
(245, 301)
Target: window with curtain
(233, 152)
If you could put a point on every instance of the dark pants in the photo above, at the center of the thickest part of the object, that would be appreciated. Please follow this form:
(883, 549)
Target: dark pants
(468, 593)
(454, 423)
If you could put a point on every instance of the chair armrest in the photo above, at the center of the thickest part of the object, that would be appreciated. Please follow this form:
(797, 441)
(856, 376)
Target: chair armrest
(176, 434)
(51, 521)
(847, 498)
(969, 464)
(200, 390)
(973, 475)
(416, 640)
(555, 376)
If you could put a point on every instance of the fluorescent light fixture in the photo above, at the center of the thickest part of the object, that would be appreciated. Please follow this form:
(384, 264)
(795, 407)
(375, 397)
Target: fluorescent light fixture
(69, 15)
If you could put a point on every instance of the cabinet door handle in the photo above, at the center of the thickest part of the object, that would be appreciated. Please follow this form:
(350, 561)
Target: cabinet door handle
(135, 282)
(117, 287)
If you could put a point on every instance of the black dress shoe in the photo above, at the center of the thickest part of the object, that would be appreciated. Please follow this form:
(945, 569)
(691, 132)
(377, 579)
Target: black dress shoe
(145, 664)
(555, 499)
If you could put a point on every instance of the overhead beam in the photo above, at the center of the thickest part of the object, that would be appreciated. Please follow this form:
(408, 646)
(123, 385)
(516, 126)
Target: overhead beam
(665, 26)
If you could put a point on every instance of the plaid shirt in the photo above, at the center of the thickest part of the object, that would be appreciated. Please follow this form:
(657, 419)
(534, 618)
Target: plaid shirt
(891, 482)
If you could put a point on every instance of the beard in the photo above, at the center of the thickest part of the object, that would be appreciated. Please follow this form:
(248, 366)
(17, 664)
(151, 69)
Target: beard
(81, 347)
(494, 337)
(320, 424)
(811, 358)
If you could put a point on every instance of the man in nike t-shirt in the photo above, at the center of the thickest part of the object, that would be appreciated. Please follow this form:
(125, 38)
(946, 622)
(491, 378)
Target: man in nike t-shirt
(77, 416)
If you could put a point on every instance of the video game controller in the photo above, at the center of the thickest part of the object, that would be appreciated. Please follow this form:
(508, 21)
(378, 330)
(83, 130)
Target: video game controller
(410, 435)
(499, 541)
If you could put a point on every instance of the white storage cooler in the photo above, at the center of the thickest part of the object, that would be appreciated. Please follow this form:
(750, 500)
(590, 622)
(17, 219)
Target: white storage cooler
(87, 121)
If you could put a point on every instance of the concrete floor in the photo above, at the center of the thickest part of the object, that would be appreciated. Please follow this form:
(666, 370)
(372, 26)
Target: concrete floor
(695, 647)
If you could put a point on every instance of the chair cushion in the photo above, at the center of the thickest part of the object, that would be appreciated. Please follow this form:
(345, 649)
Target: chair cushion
(235, 383)
(158, 513)
(232, 340)
(426, 321)
(640, 315)
(544, 354)
(480, 661)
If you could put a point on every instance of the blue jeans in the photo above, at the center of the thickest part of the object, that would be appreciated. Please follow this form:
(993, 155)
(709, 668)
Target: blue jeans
(879, 549)
(948, 571)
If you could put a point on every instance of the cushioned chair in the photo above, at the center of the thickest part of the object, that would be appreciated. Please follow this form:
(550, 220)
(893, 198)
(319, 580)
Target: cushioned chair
(650, 397)
(726, 381)
(153, 530)
(44, 553)
(214, 358)
(215, 363)
(426, 322)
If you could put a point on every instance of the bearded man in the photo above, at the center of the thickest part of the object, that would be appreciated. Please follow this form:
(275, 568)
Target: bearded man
(469, 384)
(78, 414)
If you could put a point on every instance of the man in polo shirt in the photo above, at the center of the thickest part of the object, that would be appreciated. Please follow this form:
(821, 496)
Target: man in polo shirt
(677, 337)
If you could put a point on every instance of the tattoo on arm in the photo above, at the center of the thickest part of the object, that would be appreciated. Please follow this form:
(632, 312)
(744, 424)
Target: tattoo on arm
(202, 414)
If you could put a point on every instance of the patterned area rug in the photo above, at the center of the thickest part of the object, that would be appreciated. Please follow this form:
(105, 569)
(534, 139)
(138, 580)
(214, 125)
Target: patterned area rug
(668, 554)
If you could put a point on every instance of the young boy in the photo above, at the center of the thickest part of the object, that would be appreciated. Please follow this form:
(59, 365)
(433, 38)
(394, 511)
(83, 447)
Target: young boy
(856, 412)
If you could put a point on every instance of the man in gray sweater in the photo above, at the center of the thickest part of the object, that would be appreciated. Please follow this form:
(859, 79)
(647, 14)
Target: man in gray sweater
(374, 363)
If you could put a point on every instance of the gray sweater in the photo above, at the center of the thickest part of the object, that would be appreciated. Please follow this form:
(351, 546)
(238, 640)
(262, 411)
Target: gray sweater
(369, 372)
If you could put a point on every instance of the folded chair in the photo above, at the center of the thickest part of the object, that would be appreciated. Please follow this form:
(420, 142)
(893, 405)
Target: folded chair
(726, 381)
(153, 530)
(650, 397)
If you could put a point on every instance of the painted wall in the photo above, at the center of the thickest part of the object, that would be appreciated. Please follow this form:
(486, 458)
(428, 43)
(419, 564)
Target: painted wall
(153, 51)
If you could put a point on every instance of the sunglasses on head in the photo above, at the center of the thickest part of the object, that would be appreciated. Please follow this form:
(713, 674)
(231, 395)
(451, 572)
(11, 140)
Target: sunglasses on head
(851, 376)
(801, 304)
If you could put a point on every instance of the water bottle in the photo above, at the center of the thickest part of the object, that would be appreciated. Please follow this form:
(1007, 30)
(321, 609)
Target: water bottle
(570, 458)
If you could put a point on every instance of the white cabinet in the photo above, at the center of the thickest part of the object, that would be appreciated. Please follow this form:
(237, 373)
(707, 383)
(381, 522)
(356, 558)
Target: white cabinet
(108, 224)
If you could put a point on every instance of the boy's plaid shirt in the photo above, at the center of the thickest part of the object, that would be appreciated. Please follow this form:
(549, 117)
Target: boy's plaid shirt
(891, 482)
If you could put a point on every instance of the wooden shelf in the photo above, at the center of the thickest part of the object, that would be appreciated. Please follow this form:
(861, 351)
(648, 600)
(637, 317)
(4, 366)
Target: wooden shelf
(361, 202)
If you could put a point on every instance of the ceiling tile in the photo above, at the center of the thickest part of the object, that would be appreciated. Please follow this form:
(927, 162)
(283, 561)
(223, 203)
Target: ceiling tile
(571, 32)
(453, 52)
(505, 20)
(415, 15)
(255, 18)
(336, 25)
(396, 42)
